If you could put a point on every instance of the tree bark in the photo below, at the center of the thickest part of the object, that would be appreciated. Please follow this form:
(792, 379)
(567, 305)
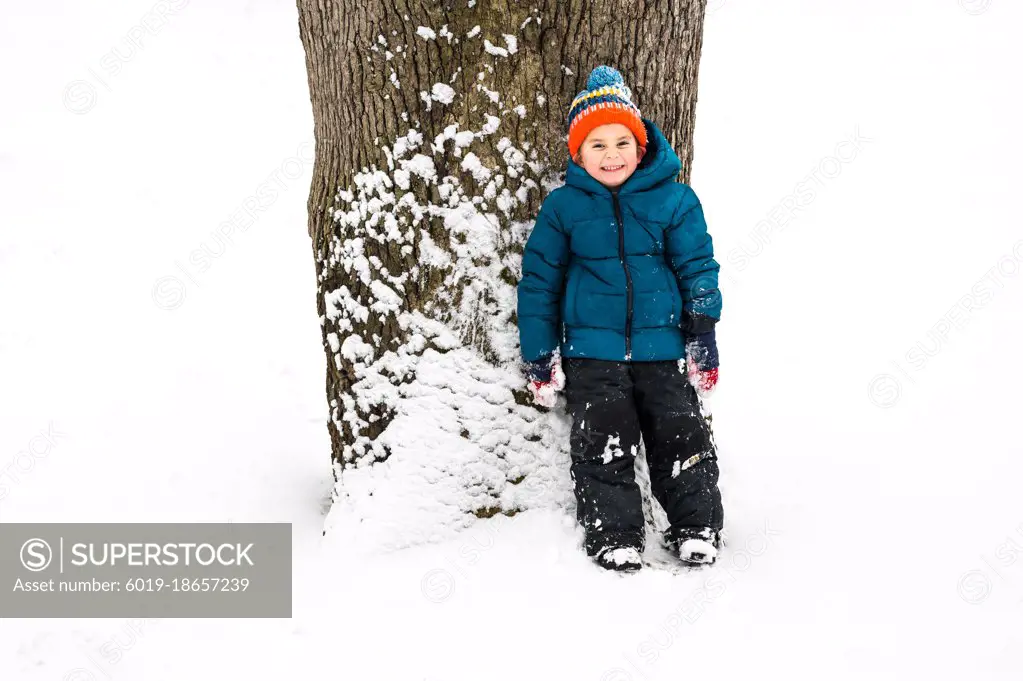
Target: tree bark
(439, 129)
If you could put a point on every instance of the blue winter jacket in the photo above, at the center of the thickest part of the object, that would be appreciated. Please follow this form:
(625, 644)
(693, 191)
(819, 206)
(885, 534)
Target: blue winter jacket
(622, 274)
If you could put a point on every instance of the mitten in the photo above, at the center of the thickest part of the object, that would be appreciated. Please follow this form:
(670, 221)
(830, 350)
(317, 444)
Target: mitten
(545, 379)
(702, 362)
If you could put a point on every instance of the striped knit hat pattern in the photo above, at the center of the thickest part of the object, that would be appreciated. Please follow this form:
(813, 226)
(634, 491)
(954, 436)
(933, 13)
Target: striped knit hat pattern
(605, 100)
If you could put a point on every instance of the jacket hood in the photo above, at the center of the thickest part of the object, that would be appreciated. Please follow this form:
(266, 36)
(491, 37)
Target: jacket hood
(659, 164)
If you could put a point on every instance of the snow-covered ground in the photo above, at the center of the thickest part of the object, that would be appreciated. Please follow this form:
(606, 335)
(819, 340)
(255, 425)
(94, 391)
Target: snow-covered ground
(859, 164)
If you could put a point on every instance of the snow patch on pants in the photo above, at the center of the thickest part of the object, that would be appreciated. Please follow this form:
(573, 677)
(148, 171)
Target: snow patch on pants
(612, 449)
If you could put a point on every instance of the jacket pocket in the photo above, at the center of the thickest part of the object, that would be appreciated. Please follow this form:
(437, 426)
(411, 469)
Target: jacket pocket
(601, 310)
(568, 304)
(654, 309)
(676, 295)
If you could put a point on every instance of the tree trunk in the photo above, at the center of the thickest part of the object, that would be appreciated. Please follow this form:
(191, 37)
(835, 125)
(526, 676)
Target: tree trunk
(440, 127)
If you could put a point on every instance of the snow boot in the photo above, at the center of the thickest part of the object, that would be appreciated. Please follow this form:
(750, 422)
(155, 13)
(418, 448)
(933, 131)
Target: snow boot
(698, 546)
(620, 558)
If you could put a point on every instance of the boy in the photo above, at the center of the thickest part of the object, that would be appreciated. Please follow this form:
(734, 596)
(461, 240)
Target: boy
(619, 281)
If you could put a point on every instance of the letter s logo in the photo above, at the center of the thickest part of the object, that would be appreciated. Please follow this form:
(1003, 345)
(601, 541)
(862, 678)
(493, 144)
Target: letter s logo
(36, 555)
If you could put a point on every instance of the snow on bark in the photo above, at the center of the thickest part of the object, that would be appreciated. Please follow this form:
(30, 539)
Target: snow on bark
(443, 93)
(456, 436)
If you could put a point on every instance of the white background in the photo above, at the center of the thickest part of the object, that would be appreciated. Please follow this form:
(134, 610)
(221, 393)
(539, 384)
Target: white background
(872, 499)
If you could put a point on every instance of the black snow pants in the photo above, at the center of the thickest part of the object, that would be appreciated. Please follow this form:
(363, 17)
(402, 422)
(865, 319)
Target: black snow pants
(613, 405)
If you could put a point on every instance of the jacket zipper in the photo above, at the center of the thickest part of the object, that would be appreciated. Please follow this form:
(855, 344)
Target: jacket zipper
(628, 276)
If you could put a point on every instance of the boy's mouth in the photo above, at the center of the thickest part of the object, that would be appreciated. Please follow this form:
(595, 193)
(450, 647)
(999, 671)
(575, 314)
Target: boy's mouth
(611, 169)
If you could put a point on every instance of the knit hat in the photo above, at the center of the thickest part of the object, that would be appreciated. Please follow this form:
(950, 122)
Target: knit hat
(605, 100)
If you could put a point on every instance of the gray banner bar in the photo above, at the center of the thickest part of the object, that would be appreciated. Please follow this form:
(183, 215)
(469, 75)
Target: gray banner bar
(145, 570)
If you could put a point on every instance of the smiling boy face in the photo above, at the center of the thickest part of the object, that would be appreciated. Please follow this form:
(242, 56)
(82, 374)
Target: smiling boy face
(610, 154)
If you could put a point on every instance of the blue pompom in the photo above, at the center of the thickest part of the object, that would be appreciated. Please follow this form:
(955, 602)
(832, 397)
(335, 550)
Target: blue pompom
(602, 76)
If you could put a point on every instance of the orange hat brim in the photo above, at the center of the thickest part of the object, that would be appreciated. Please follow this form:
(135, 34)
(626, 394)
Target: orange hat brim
(587, 122)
